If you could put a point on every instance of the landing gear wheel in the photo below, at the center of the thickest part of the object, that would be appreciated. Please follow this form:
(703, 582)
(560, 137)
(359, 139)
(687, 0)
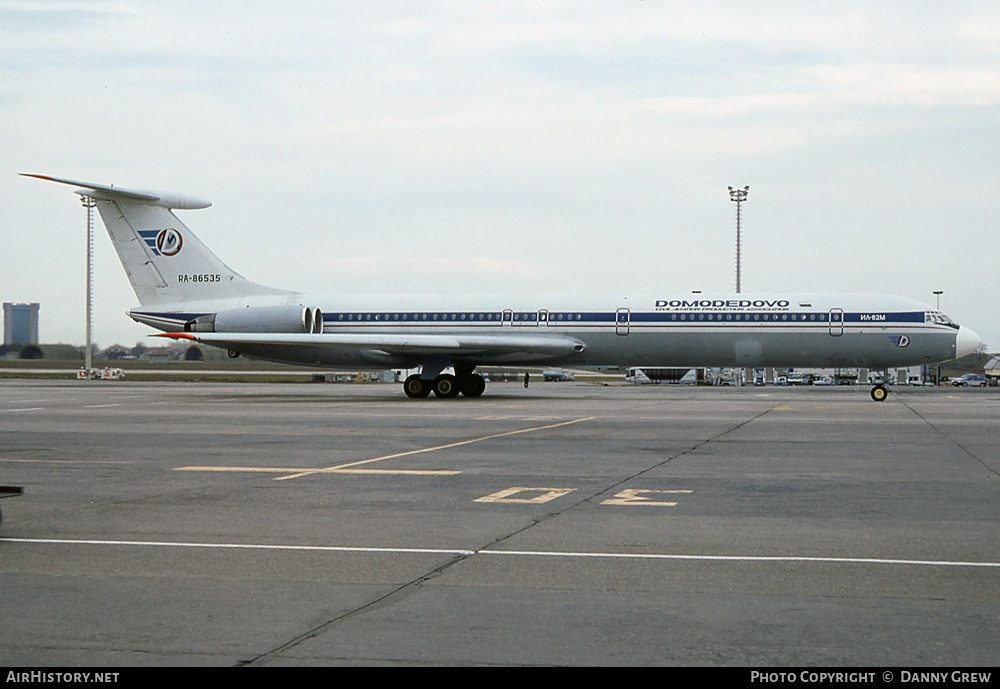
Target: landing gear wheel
(416, 388)
(446, 386)
(879, 393)
(472, 385)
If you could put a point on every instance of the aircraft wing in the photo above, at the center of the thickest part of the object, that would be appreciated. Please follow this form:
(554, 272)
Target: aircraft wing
(484, 346)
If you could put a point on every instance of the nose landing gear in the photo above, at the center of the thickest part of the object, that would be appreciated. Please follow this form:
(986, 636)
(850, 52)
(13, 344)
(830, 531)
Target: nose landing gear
(880, 392)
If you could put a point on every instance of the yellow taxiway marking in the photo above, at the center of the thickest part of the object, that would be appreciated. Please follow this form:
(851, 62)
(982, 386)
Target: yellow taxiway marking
(543, 495)
(292, 472)
(436, 448)
(285, 470)
(633, 496)
(781, 407)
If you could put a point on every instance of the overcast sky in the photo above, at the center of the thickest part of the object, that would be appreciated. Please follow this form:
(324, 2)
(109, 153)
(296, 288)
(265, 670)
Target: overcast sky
(511, 146)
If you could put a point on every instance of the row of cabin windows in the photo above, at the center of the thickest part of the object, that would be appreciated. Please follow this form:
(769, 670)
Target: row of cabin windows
(452, 317)
(749, 316)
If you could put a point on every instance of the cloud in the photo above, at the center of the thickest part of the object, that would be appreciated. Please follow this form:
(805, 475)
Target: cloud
(482, 146)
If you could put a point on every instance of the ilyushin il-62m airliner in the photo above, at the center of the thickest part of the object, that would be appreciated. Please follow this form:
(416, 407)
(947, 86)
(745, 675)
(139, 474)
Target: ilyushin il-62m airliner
(187, 292)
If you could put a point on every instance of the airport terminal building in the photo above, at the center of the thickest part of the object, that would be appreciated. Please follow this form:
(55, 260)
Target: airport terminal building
(20, 323)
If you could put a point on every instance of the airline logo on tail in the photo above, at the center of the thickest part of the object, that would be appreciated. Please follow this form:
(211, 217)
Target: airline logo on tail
(166, 242)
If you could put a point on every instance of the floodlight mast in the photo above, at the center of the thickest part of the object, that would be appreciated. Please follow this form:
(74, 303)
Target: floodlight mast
(738, 196)
(89, 204)
(937, 294)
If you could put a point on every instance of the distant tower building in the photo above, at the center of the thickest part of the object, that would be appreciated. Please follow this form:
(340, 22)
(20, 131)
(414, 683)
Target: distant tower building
(20, 324)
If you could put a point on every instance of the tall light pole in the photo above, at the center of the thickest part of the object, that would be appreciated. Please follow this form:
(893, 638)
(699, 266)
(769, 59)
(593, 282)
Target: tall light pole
(89, 204)
(739, 196)
(937, 294)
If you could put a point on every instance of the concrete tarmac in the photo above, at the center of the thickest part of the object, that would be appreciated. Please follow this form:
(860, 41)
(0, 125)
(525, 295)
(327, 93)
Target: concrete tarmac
(563, 524)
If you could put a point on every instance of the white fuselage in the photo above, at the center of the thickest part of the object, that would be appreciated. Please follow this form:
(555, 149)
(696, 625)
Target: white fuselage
(821, 330)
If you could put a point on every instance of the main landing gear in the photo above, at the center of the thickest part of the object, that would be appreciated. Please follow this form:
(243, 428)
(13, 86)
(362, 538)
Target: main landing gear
(445, 385)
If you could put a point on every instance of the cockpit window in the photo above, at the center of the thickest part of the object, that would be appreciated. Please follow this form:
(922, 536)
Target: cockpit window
(940, 319)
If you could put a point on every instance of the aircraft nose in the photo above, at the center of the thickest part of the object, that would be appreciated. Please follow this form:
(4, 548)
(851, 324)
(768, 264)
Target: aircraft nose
(966, 342)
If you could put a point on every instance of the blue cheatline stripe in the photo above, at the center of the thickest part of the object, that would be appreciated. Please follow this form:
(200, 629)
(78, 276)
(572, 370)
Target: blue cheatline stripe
(576, 317)
(880, 317)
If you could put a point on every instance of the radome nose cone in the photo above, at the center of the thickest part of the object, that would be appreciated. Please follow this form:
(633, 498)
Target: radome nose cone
(966, 342)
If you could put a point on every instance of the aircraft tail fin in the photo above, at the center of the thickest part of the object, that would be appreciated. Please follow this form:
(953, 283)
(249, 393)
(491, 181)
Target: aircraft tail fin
(165, 261)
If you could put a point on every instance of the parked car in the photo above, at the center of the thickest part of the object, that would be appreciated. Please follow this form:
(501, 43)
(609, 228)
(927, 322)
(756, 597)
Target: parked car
(970, 380)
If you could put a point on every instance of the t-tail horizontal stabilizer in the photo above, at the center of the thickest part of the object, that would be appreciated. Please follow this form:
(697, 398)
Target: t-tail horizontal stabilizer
(145, 197)
(165, 261)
